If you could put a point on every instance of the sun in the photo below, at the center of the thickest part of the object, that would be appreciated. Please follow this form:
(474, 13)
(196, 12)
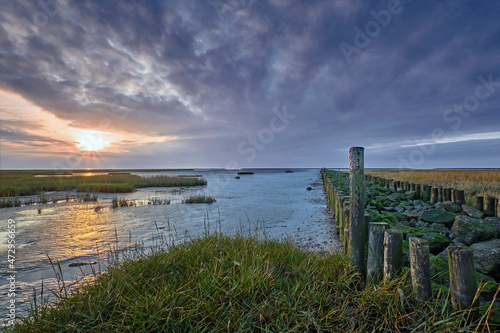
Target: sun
(91, 140)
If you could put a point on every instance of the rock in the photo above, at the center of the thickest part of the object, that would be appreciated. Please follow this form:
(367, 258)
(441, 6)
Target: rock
(412, 195)
(399, 209)
(439, 205)
(439, 269)
(438, 216)
(473, 212)
(437, 242)
(495, 221)
(469, 230)
(78, 264)
(487, 257)
(451, 207)
(389, 209)
(309, 188)
(417, 203)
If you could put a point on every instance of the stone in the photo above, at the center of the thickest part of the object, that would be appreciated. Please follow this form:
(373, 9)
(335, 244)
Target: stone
(473, 212)
(495, 221)
(469, 230)
(438, 216)
(439, 269)
(437, 242)
(412, 195)
(452, 207)
(487, 257)
(389, 209)
(439, 205)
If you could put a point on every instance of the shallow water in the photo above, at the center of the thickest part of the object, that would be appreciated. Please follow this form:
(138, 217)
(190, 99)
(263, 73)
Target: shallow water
(70, 232)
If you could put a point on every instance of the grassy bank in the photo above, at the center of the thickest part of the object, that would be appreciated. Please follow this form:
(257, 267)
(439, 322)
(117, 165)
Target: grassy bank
(473, 182)
(226, 284)
(20, 183)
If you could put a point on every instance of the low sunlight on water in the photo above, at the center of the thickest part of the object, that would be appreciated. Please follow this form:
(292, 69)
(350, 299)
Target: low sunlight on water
(71, 232)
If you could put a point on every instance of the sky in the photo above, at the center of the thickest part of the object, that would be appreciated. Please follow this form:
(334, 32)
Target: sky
(249, 83)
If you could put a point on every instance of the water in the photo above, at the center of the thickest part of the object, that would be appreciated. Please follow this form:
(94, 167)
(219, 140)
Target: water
(71, 232)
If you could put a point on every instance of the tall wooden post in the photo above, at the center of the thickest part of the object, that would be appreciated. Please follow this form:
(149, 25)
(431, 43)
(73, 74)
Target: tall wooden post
(480, 202)
(357, 208)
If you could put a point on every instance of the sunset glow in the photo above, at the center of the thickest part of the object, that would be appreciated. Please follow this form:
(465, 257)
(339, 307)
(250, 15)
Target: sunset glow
(91, 140)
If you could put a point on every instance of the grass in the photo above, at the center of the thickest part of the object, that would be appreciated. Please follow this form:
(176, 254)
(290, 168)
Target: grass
(219, 283)
(199, 199)
(473, 182)
(13, 184)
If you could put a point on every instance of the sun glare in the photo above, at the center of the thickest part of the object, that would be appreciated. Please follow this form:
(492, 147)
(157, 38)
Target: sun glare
(91, 140)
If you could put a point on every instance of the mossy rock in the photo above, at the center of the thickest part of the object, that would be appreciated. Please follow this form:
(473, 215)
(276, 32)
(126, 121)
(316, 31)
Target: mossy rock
(378, 204)
(490, 288)
(391, 216)
(386, 203)
(437, 242)
(439, 270)
(469, 230)
(438, 216)
(405, 230)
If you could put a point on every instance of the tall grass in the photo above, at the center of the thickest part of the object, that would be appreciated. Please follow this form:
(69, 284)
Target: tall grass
(20, 184)
(219, 283)
(473, 182)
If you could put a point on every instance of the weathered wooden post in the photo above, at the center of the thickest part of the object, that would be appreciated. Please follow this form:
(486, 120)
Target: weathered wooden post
(375, 262)
(489, 209)
(440, 195)
(460, 197)
(434, 195)
(447, 194)
(393, 253)
(496, 208)
(463, 283)
(420, 268)
(357, 237)
(480, 203)
(419, 191)
(426, 197)
(346, 227)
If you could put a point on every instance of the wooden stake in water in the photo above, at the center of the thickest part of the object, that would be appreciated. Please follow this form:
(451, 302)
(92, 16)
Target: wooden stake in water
(420, 270)
(357, 208)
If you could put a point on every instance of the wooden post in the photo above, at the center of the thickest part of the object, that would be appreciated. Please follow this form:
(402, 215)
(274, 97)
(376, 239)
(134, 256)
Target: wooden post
(480, 203)
(447, 196)
(426, 197)
(463, 284)
(490, 208)
(453, 196)
(460, 197)
(357, 208)
(420, 268)
(393, 253)
(419, 190)
(375, 262)
(345, 239)
(434, 195)
(440, 195)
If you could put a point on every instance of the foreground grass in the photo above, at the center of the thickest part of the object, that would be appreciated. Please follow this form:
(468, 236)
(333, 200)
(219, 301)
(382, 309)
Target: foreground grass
(473, 182)
(19, 183)
(226, 284)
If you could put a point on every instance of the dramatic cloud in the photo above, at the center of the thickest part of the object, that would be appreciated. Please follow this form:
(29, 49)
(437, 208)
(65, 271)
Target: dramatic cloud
(240, 83)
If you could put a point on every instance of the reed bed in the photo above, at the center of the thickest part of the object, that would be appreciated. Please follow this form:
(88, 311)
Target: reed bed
(199, 199)
(220, 283)
(22, 184)
(473, 182)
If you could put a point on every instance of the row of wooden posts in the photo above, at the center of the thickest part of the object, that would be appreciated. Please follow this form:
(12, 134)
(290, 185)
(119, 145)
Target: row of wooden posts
(434, 194)
(377, 251)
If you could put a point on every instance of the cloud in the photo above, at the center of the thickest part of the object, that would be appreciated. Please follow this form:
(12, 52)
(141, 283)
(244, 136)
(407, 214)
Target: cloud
(210, 72)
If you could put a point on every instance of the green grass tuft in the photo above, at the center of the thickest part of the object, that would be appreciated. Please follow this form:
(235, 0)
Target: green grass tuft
(199, 199)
